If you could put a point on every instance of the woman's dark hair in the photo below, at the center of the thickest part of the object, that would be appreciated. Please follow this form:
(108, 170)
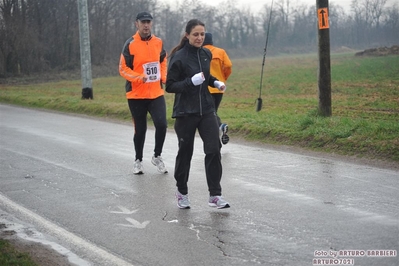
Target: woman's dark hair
(189, 27)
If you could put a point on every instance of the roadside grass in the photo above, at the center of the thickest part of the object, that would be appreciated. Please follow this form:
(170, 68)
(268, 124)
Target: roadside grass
(10, 256)
(365, 103)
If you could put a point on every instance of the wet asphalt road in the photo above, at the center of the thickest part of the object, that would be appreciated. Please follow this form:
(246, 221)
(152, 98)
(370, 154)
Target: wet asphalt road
(69, 179)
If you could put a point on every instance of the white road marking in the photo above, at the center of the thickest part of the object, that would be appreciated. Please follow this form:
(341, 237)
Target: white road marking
(134, 223)
(91, 250)
(124, 210)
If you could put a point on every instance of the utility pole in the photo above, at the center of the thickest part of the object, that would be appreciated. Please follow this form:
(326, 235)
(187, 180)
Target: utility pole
(324, 75)
(85, 58)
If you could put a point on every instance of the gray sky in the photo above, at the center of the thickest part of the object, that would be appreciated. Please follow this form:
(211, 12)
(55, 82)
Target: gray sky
(256, 5)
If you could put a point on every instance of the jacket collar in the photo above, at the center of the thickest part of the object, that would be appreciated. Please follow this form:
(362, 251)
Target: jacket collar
(192, 48)
(149, 37)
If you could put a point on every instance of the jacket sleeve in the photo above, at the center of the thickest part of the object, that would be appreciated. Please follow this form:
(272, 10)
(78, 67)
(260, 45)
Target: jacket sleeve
(163, 62)
(175, 83)
(211, 81)
(126, 66)
(227, 66)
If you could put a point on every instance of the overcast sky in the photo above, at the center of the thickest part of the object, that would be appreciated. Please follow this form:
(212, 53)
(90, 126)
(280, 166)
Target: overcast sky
(256, 5)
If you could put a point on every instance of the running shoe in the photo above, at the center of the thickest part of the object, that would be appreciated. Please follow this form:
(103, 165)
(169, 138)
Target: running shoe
(158, 162)
(182, 201)
(138, 167)
(225, 138)
(218, 202)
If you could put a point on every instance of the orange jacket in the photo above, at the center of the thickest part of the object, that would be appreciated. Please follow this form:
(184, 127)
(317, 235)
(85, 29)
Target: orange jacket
(221, 65)
(143, 58)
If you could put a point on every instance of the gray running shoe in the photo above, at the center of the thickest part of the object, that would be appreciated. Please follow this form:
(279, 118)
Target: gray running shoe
(182, 201)
(138, 167)
(218, 202)
(158, 162)
(225, 138)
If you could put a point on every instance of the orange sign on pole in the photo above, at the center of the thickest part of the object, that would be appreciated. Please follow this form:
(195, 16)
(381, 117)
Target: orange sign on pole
(322, 14)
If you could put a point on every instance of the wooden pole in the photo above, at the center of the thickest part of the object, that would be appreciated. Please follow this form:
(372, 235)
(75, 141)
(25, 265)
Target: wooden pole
(85, 58)
(324, 75)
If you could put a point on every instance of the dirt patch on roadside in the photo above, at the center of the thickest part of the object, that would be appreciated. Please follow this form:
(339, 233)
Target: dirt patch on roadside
(39, 253)
(381, 51)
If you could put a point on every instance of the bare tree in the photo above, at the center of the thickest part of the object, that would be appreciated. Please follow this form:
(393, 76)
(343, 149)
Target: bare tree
(12, 26)
(304, 27)
(391, 22)
(376, 11)
(283, 11)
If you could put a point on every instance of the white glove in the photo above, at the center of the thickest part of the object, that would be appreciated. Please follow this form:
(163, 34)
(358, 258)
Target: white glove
(198, 79)
(220, 85)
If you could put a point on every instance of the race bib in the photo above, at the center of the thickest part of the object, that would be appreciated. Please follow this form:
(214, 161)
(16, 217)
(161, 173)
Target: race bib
(152, 71)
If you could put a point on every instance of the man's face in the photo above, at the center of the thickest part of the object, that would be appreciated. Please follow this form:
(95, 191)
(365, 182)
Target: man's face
(144, 27)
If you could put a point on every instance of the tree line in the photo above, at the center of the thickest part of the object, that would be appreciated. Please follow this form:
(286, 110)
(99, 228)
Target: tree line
(39, 36)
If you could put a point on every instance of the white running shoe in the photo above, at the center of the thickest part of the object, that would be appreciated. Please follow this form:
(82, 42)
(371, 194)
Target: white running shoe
(182, 200)
(225, 138)
(158, 162)
(138, 167)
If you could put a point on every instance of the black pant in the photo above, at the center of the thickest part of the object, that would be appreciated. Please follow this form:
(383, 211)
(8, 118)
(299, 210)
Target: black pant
(157, 109)
(217, 98)
(208, 130)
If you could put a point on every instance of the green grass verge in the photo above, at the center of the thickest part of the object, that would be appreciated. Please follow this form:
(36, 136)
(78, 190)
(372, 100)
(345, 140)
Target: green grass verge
(10, 256)
(365, 103)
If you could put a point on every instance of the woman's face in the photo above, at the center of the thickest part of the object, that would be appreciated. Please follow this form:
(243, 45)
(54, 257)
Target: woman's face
(196, 36)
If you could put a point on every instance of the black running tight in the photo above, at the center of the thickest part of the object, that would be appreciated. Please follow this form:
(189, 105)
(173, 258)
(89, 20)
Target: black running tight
(157, 109)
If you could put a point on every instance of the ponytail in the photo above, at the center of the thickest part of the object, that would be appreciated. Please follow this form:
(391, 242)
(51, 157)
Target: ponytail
(183, 41)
